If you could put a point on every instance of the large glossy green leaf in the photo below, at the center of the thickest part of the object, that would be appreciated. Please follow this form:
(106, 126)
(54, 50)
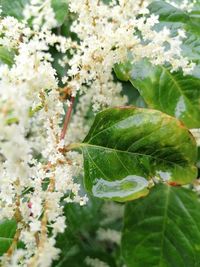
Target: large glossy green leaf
(163, 229)
(127, 146)
(173, 93)
(7, 232)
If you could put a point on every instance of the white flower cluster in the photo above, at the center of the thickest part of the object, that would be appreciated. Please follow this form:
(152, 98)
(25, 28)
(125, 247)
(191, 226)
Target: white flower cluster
(36, 172)
(11, 31)
(111, 33)
(41, 13)
(35, 175)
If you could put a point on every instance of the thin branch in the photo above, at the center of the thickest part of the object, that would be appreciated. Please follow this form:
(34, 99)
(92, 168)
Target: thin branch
(40, 240)
(18, 218)
(67, 118)
(141, 3)
(14, 243)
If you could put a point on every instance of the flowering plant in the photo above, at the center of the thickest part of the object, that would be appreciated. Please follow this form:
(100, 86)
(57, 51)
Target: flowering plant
(99, 125)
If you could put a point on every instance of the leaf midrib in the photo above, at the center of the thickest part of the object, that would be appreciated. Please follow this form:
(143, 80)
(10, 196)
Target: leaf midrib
(164, 225)
(123, 151)
(178, 87)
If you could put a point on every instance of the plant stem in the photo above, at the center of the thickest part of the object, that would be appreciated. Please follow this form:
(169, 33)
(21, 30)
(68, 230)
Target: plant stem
(40, 240)
(18, 218)
(67, 118)
(141, 3)
(73, 146)
(14, 243)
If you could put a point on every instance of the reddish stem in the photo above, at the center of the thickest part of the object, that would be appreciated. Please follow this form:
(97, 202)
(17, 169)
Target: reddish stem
(67, 118)
(173, 184)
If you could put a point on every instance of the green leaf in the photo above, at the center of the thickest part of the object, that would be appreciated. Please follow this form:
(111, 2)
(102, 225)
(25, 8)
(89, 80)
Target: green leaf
(7, 232)
(127, 146)
(13, 8)
(163, 229)
(122, 71)
(173, 93)
(61, 10)
(6, 56)
(168, 13)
